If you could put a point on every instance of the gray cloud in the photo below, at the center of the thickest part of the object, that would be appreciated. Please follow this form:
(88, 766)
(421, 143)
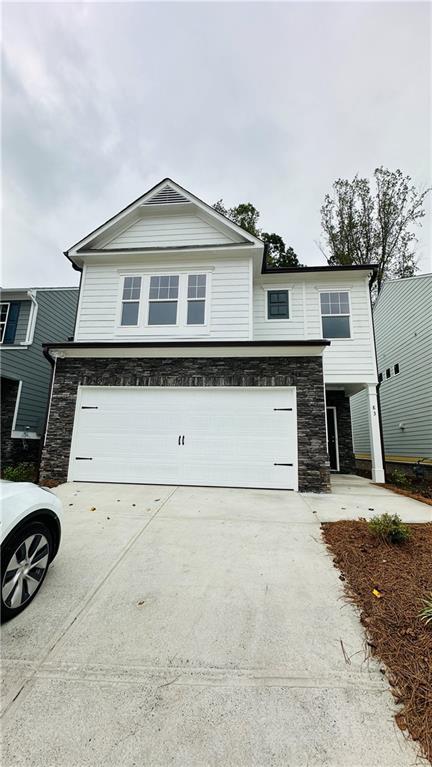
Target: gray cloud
(267, 102)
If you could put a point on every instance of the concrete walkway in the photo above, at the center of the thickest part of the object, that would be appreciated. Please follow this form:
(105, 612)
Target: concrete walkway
(196, 627)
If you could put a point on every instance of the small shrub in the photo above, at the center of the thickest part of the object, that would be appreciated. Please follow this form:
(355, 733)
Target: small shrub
(390, 528)
(22, 472)
(426, 613)
(400, 479)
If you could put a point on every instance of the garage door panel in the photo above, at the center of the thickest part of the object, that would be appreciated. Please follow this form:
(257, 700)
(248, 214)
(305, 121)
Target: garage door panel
(231, 437)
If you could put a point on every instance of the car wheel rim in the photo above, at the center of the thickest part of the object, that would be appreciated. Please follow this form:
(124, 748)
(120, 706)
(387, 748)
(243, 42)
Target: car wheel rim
(25, 571)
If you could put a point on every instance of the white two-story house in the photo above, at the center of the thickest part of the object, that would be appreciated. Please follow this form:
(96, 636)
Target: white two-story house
(193, 363)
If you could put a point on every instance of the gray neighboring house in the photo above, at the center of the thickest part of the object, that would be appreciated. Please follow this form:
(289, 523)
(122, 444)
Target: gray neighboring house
(403, 332)
(29, 317)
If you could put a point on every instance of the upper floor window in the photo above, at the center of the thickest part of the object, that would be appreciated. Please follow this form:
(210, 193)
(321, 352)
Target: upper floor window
(335, 314)
(4, 313)
(196, 299)
(163, 299)
(277, 305)
(131, 300)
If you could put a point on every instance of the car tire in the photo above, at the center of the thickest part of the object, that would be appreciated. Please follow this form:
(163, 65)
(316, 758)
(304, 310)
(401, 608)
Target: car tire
(25, 558)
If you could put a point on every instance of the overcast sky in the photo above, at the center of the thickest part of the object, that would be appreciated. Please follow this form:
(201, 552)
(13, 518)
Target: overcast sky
(260, 102)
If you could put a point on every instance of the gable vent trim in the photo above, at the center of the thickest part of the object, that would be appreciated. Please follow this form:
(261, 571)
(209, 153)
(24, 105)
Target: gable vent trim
(166, 196)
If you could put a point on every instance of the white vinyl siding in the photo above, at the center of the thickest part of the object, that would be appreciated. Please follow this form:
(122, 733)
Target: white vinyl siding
(168, 231)
(228, 297)
(346, 360)
(293, 327)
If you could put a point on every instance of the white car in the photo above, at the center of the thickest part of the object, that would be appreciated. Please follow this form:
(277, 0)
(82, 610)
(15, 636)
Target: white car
(30, 537)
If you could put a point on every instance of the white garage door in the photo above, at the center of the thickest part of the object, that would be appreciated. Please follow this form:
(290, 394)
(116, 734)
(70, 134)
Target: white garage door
(232, 437)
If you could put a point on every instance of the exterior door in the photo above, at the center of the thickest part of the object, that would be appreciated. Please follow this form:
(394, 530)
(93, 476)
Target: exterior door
(333, 448)
(223, 436)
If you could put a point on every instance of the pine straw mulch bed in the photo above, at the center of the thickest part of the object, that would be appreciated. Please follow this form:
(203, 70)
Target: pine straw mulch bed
(423, 494)
(403, 575)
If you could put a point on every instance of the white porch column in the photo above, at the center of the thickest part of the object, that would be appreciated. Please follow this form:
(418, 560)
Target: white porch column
(375, 436)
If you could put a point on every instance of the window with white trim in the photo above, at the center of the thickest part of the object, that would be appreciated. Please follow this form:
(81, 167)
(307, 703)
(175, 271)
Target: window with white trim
(4, 313)
(130, 301)
(335, 314)
(163, 300)
(277, 305)
(196, 299)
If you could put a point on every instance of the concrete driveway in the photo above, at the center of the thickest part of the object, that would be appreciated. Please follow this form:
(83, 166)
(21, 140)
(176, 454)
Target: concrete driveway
(194, 627)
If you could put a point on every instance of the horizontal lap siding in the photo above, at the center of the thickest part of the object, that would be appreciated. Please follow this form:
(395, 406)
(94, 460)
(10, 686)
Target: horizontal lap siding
(278, 329)
(158, 231)
(347, 359)
(229, 297)
(54, 322)
(23, 320)
(360, 422)
(403, 322)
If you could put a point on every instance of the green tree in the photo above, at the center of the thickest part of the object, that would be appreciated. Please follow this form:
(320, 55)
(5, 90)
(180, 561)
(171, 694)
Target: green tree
(245, 214)
(365, 227)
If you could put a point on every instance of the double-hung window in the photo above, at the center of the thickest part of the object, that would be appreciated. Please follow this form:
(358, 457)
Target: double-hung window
(335, 314)
(163, 300)
(130, 300)
(196, 299)
(4, 313)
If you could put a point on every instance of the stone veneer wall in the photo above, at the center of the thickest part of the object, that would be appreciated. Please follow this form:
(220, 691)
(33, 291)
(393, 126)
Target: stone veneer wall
(303, 372)
(343, 414)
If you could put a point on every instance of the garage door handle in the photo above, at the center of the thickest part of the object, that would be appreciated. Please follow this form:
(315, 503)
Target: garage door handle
(179, 440)
(183, 440)
(282, 408)
(282, 464)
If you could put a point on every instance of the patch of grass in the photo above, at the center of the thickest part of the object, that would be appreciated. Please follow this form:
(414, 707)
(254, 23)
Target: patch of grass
(389, 528)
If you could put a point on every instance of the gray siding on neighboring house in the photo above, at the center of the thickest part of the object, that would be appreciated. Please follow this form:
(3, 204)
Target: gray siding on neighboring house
(403, 329)
(360, 423)
(22, 324)
(54, 322)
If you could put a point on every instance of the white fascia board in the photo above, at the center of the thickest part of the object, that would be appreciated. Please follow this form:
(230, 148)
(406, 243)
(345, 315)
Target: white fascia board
(187, 352)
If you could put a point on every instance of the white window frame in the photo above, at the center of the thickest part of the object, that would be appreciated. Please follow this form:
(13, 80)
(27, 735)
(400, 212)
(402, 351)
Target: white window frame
(163, 300)
(205, 299)
(181, 327)
(279, 289)
(126, 328)
(349, 315)
(4, 322)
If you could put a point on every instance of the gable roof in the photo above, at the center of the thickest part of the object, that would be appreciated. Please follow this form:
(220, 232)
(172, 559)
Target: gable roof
(166, 196)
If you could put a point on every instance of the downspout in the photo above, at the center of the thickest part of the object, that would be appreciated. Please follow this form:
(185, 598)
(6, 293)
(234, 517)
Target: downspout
(378, 386)
(53, 363)
(32, 320)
